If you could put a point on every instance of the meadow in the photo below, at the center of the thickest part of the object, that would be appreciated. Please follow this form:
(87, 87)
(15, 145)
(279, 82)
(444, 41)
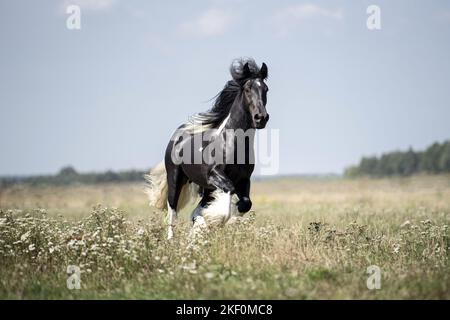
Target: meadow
(305, 238)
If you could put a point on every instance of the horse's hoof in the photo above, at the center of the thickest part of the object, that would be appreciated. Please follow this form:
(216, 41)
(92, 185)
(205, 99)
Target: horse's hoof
(244, 205)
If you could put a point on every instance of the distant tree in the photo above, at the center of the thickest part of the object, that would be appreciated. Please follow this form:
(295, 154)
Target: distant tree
(368, 166)
(67, 171)
(435, 159)
(352, 172)
(108, 176)
(444, 159)
(430, 159)
(66, 175)
(409, 163)
(388, 164)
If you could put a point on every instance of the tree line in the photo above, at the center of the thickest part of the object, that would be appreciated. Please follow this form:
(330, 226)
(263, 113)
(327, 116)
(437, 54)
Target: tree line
(433, 160)
(68, 175)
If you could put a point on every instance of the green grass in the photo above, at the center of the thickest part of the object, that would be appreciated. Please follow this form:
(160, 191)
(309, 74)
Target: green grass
(305, 239)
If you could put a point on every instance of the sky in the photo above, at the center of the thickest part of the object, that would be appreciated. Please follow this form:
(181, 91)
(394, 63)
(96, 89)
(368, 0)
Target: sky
(109, 95)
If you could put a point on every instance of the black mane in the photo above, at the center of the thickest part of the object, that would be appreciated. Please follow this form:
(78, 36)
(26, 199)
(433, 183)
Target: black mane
(225, 98)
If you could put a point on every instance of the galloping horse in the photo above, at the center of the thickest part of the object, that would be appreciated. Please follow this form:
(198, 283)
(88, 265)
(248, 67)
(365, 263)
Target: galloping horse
(220, 166)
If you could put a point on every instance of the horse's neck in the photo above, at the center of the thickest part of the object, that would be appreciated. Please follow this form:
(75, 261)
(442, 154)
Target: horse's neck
(238, 118)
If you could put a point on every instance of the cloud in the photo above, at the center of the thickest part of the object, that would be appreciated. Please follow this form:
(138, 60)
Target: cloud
(290, 17)
(307, 11)
(90, 5)
(212, 22)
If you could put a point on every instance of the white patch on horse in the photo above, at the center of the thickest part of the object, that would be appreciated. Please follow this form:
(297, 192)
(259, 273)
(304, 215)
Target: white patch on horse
(196, 124)
(171, 219)
(223, 124)
(258, 83)
(219, 210)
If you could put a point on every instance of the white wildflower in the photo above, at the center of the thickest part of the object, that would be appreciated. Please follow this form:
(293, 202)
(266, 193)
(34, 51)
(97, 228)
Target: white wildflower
(396, 248)
(407, 223)
(25, 236)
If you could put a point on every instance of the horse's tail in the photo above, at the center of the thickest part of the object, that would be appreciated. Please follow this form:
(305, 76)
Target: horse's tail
(157, 189)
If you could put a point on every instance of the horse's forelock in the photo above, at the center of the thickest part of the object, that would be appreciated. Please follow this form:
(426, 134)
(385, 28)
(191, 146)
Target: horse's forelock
(237, 69)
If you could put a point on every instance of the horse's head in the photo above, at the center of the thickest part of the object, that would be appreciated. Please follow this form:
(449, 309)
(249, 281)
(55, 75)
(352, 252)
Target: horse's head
(255, 96)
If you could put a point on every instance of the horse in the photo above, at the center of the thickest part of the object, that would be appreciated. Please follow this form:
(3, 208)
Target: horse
(192, 168)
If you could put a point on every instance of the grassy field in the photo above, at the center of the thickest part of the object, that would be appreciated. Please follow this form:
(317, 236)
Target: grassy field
(305, 239)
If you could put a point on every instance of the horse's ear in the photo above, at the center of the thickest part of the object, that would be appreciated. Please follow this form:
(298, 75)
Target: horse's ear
(263, 73)
(246, 73)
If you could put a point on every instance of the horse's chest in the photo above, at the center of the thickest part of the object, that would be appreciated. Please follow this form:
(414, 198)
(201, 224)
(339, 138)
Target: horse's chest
(238, 172)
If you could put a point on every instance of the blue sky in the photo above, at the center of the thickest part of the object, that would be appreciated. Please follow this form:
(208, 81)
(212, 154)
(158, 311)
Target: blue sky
(108, 96)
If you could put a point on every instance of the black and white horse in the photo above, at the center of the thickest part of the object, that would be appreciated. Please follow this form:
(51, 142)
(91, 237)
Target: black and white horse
(211, 155)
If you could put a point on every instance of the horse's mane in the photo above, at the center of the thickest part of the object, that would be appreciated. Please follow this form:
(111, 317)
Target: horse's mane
(224, 99)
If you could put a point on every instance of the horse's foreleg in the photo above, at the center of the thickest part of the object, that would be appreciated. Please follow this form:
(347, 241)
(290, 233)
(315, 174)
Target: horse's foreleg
(243, 192)
(198, 222)
(220, 208)
(219, 180)
(171, 219)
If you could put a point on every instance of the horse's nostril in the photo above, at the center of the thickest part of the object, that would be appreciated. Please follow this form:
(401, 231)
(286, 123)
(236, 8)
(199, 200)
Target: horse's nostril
(261, 118)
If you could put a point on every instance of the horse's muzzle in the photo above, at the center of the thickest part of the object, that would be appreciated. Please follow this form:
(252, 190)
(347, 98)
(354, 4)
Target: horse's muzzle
(261, 121)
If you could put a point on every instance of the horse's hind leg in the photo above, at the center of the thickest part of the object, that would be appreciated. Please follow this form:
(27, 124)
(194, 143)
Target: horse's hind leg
(175, 180)
(198, 221)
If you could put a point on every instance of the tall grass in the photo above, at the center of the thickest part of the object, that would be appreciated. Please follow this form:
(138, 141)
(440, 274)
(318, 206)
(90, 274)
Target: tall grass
(305, 239)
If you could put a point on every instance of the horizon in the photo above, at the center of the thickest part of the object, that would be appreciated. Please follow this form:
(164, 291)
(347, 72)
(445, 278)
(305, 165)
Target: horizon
(258, 176)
